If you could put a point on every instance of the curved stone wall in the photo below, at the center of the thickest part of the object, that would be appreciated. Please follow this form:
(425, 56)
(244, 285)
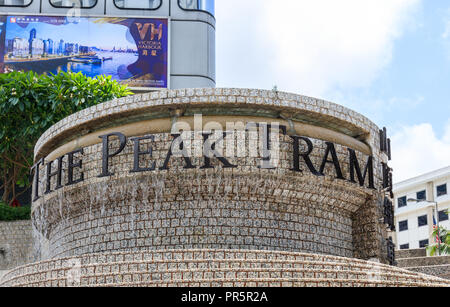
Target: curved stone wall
(115, 205)
(15, 244)
(214, 268)
(246, 207)
(242, 208)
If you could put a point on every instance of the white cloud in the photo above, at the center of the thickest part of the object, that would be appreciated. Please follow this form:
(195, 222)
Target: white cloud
(417, 150)
(446, 33)
(307, 46)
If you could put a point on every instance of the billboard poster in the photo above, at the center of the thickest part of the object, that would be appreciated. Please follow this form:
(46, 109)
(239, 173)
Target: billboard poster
(133, 51)
(2, 41)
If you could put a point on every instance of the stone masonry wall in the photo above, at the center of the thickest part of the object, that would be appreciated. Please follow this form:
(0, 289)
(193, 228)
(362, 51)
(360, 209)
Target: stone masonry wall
(15, 244)
(437, 266)
(214, 268)
(242, 208)
(411, 253)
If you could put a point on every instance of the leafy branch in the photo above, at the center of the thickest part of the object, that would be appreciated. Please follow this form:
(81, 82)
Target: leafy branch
(30, 104)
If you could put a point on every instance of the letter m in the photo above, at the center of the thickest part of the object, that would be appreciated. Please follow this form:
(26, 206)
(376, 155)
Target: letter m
(368, 171)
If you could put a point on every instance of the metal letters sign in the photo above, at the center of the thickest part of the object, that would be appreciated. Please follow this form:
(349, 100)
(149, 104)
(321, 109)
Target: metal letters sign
(360, 174)
(133, 51)
(391, 251)
(389, 213)
(385, 143)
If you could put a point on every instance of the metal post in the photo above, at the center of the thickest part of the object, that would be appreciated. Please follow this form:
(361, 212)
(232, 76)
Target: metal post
(436, 214)
(438, 228)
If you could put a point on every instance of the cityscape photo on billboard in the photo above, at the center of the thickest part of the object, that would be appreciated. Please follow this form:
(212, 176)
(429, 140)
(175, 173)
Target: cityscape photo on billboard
(133, 51)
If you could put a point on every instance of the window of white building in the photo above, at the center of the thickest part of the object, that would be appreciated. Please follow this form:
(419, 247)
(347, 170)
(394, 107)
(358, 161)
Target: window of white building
(441, 190)
(422, 220)
(401, 202)
(404, 246)
(443, 216)
(423, 243)
(403, 225)
(422, 195)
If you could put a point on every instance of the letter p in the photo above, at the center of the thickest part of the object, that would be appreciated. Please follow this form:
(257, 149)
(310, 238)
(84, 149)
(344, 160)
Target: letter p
(106, 155)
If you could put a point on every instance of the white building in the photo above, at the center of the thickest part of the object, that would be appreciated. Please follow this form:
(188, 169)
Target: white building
(414, 220)
(21, 48)
(37, 47)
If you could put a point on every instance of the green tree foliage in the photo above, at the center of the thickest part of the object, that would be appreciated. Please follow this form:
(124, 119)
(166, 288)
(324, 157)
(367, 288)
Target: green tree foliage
(30, 104)
(445, 242)
(433, 250)
(8, 213)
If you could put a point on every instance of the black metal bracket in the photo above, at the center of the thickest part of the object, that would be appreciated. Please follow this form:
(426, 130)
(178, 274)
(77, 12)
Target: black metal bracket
(389, 213)
(391, 251)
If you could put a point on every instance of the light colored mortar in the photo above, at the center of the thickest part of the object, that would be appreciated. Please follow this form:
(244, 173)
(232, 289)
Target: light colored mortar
(437, 266)
(211, 220)
(15, 244)
(206, 268)
(243, 208)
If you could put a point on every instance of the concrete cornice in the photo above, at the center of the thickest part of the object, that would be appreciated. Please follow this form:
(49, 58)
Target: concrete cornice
(422, 179)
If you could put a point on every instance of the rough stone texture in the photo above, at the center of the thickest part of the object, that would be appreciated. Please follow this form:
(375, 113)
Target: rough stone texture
(205, 268)
(301, 108)
(208, 221)
(411, 253)
(241, 208)
(300, 212)
(423, 261)
(437, 266)
(15, 244)
(442, 271)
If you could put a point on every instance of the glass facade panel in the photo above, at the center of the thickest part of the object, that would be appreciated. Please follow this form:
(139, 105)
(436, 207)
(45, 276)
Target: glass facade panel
(198, 5)
(74, 3)
(15, 2)
(138, 4)
(404, 246)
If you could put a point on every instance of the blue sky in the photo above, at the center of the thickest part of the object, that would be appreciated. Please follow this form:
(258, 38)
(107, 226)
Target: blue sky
(387, 59)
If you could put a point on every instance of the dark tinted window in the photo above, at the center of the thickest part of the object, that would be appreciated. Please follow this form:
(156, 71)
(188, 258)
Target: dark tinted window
(404, 246)
(15, 2)
(74, 3)
(442, 190)
(443, 216)
(138, 4)
(402, 202)
(403, 225)
(422, 195)
(423, 243)
(422, 220)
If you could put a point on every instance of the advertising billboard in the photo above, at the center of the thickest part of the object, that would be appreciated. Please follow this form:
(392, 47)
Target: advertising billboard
(133, 51)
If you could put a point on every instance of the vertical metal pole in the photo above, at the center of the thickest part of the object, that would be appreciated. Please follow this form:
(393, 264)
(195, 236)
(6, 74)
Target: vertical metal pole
(438, 228)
